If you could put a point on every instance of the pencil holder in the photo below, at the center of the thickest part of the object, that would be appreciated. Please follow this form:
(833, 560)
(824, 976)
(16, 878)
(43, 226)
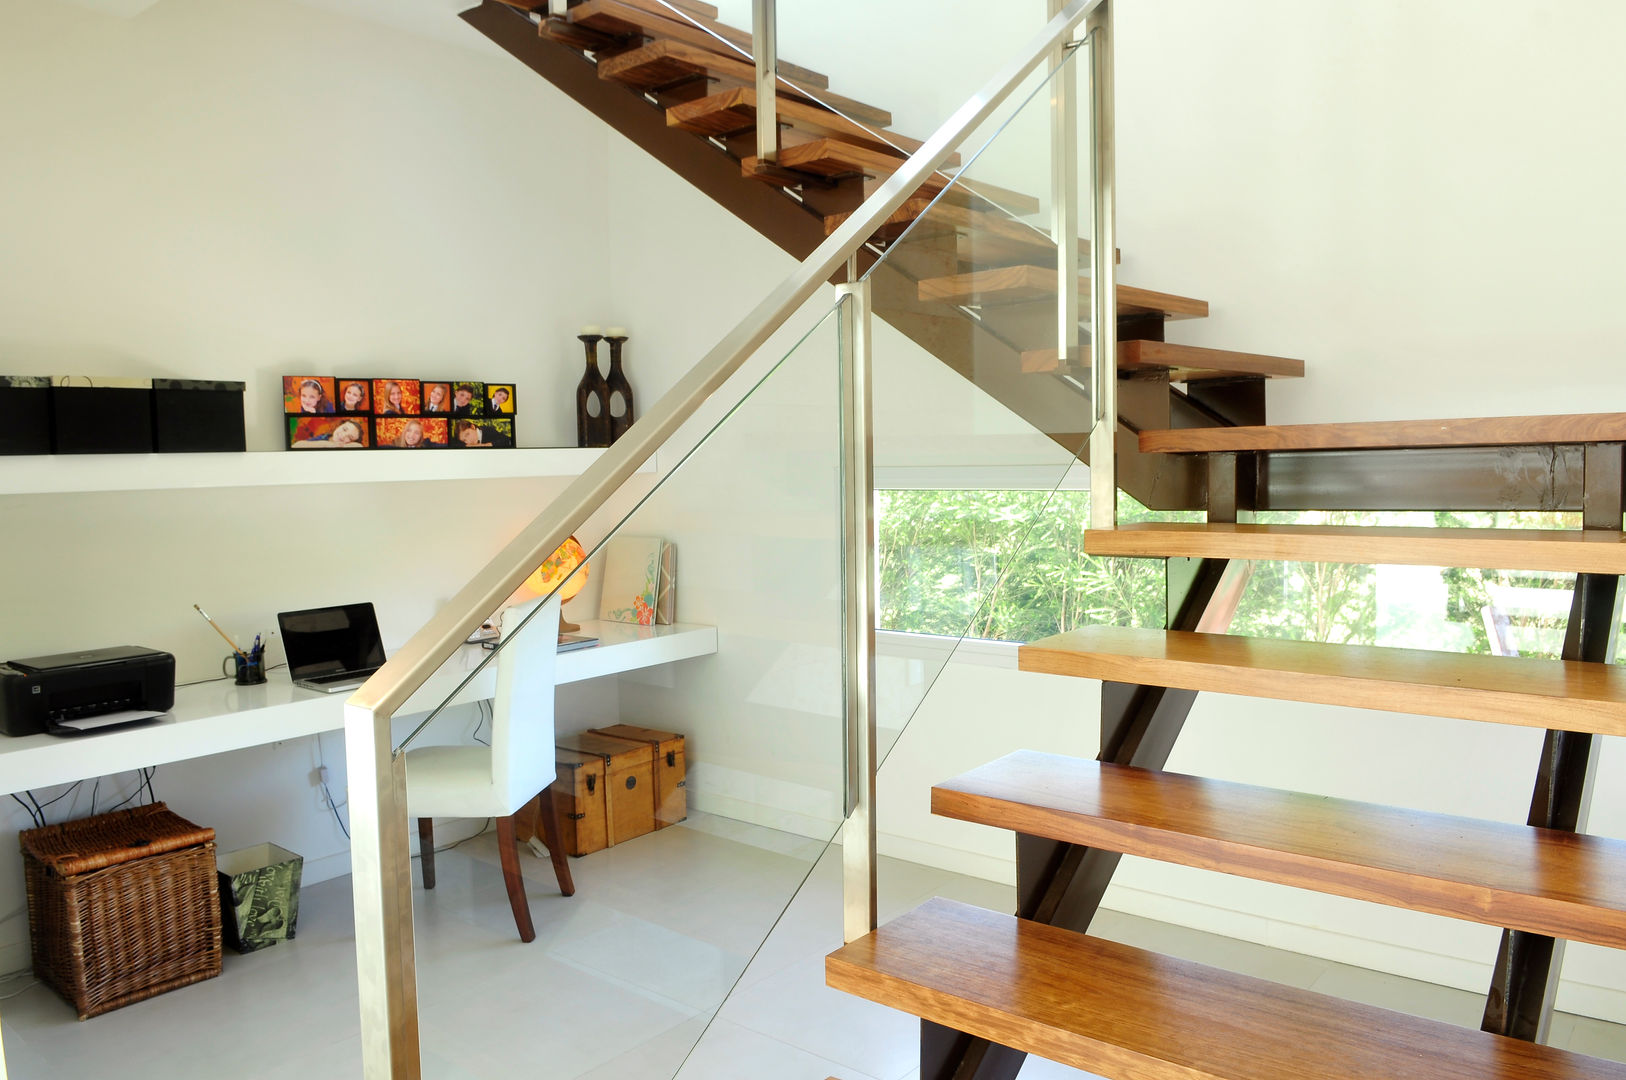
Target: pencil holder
(250, 672)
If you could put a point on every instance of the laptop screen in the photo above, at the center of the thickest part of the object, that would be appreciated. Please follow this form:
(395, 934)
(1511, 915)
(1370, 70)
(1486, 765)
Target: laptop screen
(324, 641)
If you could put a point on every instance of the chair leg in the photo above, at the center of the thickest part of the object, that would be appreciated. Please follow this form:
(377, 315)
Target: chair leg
(508, 848)
(426, 847)
(556, 848)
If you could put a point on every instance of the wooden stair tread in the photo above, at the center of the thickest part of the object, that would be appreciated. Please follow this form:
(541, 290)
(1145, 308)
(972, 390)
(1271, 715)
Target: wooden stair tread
(1184, 363)
(1560, 550)
(666, 61)
(830, 157)
(1124, 1012)
(1544, 881)
(623, 18)
(1523, 691)
(1394, 434)
(1013, 284)
(693, 7)
(1005, 238)
(734, 110)
(986, 238)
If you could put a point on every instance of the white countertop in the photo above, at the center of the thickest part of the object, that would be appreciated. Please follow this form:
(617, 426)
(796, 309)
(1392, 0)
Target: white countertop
(214, 717)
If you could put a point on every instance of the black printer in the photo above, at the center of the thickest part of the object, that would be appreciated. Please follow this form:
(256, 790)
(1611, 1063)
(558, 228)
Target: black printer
(38, 694)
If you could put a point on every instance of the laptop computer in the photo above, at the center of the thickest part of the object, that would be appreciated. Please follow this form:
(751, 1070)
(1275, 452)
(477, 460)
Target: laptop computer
(331, 648)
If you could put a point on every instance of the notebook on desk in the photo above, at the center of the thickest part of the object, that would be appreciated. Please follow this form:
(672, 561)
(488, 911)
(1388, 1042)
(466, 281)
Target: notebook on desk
(331, 648)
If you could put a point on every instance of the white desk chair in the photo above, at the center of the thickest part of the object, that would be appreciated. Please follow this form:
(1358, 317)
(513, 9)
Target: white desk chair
(496, 781)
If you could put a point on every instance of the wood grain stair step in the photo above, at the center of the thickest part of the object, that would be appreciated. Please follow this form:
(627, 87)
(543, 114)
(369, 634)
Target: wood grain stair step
(983, 219)
(646, 19)
(1559, 550)
(693, 7)
(1015, 284)
(986, 238)
(1128, 1014)
(662, 63)
(1558, 884)
(1395, 435)
(1522, 691)
(832, 158)
(735, 110)
(1184, 363)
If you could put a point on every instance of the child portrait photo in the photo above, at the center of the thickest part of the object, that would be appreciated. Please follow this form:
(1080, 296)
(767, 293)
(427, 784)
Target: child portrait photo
(327, 433)
(499, 399)
(409, 433)
(395, 397)
(437, 398)
(307, 395)
(468, 399)
(355, 397)
(482, 434)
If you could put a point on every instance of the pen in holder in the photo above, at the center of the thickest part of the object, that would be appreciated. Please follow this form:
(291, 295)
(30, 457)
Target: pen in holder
(250, 664)
(250, 667)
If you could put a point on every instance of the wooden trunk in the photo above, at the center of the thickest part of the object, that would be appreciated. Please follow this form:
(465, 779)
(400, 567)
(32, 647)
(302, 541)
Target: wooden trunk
(671, 804)
(580, 793)
(629, 781)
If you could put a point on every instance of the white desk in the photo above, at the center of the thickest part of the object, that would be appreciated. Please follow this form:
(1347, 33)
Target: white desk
(215, 717)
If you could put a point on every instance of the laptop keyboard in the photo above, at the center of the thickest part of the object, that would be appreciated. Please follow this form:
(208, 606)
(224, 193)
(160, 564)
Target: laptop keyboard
(339, 676)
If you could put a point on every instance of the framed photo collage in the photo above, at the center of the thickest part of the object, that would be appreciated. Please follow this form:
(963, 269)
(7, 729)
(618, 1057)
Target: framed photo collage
(328, 413)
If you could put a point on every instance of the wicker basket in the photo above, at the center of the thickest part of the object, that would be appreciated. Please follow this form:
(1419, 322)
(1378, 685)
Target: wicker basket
(122, 906)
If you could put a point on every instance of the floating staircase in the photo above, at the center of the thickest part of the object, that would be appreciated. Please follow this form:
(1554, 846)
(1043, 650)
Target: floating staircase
(975, 286)
(991, 987)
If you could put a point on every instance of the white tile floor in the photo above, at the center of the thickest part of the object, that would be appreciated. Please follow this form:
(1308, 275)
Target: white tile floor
(624, 981)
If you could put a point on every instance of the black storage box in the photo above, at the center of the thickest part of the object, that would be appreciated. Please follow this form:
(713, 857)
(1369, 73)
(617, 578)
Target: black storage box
(96, 415)
(25, 414)
(193, 416)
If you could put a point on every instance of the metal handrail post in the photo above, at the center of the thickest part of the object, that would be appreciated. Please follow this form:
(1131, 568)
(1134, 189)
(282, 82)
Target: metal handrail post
(765, 49)
(1064, 196)
(1103, 278)
(860, 911)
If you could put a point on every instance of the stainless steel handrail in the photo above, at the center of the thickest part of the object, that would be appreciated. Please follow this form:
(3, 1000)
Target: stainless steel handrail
(393, 683)
(380, 855)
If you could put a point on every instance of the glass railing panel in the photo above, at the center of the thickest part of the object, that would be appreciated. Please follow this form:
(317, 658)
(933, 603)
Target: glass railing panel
(982, 504)
(630, 972)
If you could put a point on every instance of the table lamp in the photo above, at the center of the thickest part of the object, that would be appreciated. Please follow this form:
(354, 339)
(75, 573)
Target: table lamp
(558, 567)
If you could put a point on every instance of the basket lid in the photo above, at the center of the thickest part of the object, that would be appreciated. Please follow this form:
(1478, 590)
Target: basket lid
(78, 847)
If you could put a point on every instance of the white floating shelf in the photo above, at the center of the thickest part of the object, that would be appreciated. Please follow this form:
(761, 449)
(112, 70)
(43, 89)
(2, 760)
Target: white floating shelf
(59, 473)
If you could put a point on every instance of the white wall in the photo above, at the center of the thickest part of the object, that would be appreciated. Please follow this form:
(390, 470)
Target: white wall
(245, 190)
(254, 189)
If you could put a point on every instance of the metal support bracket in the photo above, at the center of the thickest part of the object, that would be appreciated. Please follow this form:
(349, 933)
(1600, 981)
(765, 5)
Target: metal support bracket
(1524, 981)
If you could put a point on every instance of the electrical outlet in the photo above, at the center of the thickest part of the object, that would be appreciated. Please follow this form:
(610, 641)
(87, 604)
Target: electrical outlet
(319, 776)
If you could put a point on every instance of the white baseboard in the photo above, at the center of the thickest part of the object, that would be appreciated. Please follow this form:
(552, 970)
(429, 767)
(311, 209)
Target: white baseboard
(973, 864)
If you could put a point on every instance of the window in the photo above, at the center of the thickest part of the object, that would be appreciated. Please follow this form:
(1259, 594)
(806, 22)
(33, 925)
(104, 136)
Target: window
(1009, 565)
